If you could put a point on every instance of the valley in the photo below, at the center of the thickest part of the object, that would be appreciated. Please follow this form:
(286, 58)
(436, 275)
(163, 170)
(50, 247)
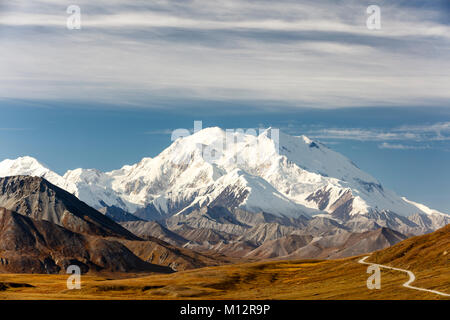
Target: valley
(291, 280)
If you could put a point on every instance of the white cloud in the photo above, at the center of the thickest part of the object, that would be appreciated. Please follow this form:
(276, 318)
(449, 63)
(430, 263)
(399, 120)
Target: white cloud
(358, 134)
(160, 132)
(386, 145)
(438, 128)
(130, 19)
(316, 54)
(418, 133)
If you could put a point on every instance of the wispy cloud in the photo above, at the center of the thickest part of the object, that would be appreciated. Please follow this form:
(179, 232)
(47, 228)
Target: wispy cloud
(159, 132)
(360, 134)
(315, 53)
(131, 19)
(418, 133)
(386, 145)
(438, 131)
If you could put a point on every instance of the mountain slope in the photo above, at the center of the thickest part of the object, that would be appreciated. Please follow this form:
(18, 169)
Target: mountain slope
(146, 229)
(347, 244)
(118, 215)
(32, 246)
(37, 198)
(162, 253)
(280, 247)
(418, 253)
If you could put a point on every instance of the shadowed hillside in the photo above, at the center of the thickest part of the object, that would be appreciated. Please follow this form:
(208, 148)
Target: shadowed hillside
(39, 199)
(32, 246)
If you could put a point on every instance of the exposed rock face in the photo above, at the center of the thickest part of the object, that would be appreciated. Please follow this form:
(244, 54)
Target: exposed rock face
(32, 246)
(149, 229)
(216, 218)
(341, 208)
(390, 220)
(119, 215)
(159, 252)
(267, 231)
(348, 244)
(39, 199)
(204, 235)
(234, 249)
(237, 233)
(428, 222)
(321, 197)
(280, 247)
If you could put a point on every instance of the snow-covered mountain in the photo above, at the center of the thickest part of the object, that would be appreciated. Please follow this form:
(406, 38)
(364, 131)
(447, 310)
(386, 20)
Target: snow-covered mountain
(28, 166)
(293, 177)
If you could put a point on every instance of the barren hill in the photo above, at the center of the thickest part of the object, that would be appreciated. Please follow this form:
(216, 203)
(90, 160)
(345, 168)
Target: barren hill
(33, 246)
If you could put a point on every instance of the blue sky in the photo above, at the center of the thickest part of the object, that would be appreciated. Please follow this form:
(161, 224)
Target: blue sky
(109, 94)
(407, 149)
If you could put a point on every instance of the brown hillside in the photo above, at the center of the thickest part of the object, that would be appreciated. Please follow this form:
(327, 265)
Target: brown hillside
(428, 251)
(307, 279)
(156, 251)
(33, 246)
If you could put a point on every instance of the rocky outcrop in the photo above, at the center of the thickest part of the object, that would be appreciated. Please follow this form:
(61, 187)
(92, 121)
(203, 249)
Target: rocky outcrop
(149, 229)
(117, 214)
(348, 244)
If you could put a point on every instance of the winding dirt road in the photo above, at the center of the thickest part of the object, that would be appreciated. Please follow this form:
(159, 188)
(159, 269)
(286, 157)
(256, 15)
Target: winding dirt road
(411, 275)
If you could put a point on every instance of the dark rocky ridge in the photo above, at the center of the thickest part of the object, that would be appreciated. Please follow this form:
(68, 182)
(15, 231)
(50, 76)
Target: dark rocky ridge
(32, 246)
(39, 199)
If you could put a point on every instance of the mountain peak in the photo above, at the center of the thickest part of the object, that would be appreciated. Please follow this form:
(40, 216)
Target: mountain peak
(26, 159)
(29, 166)
(210, 131)
(25, 162)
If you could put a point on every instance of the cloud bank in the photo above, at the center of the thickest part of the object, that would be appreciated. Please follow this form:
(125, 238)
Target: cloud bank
(309, 54)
